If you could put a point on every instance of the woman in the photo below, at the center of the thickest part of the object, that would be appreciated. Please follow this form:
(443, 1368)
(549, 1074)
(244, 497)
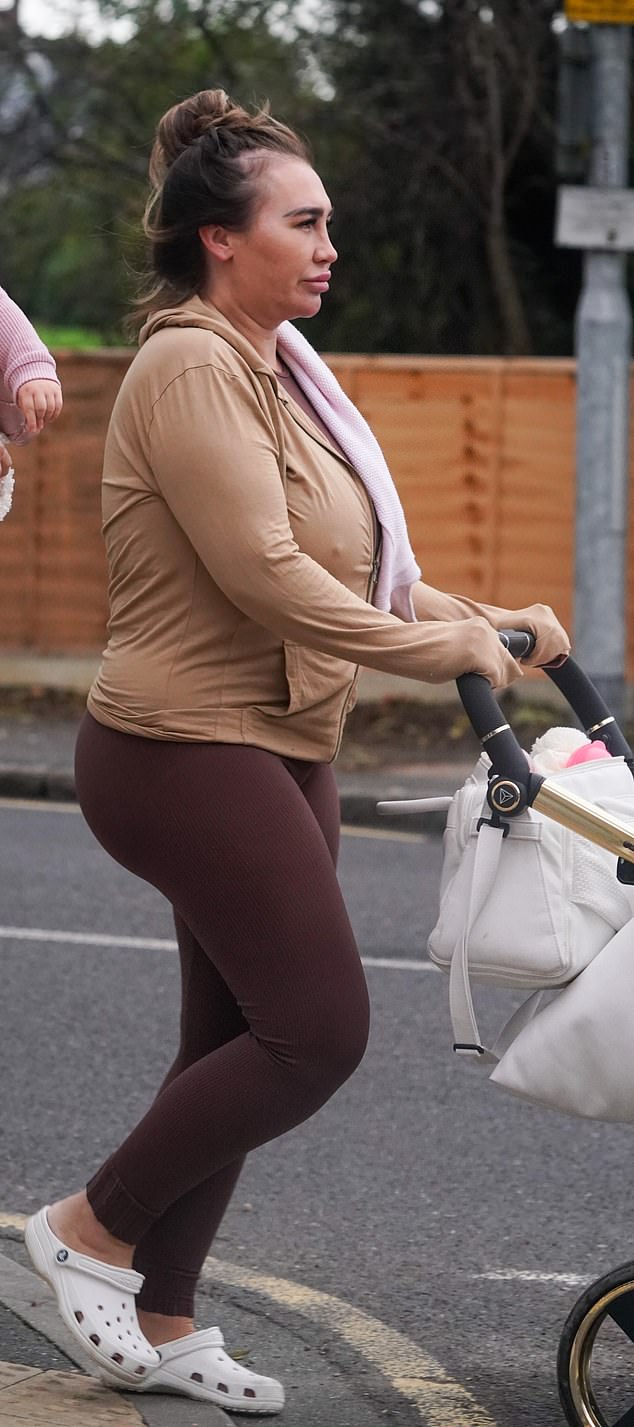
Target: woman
(257, 554)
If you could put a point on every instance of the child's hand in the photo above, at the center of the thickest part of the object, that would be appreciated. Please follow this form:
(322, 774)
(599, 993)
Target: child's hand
(6, 463)
(40, 402)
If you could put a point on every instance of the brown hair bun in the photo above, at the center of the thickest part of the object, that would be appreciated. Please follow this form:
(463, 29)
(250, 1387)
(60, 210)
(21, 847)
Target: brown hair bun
(184, 123)
(212, 115)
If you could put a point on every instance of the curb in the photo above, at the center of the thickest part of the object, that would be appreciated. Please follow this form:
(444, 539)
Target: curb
(358, 809)
(24, 1294)
(36, 783)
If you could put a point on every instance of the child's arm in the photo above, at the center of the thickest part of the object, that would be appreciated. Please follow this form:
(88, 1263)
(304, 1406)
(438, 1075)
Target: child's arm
(27, 367)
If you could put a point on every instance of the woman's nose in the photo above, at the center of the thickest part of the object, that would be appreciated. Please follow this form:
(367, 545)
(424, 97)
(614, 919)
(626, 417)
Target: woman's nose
(325, 250)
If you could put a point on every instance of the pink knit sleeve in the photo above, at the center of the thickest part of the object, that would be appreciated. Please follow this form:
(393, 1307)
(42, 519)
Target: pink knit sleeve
(23, 358)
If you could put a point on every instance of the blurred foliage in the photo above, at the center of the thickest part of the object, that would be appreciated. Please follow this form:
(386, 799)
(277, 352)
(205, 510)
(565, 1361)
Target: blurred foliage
(432, 125)
(74, 339)
(76, 126)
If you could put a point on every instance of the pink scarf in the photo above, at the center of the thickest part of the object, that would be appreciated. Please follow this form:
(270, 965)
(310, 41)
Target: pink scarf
(398, 570)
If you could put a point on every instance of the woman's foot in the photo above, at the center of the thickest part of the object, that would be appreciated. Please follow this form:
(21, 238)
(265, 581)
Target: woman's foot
(73, 1221)
(161, 1328)
(95, 1296)
(197, 1366)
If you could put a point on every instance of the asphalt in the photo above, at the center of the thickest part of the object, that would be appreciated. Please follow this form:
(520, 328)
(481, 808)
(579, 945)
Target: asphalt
(43, 1381)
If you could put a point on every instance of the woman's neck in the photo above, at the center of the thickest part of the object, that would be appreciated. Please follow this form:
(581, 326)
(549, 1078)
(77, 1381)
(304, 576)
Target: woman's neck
(264, 340)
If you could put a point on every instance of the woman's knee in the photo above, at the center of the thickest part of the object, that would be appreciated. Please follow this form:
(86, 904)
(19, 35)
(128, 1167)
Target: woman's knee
(334, 1045)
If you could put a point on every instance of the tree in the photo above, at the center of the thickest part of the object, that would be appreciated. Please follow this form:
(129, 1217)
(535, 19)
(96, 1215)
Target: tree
(446, 175)
(76, 127)
(432, 123)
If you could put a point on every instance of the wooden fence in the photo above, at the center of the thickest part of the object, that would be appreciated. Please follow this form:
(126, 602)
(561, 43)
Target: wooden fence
(482, 452)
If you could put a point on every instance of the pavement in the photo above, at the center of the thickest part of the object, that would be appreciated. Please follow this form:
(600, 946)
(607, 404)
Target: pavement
(43, 1381)
(36, 761)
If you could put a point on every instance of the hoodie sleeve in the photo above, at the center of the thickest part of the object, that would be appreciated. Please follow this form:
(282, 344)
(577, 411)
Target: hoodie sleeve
(551, 641)
(23, 357)
(214, 455)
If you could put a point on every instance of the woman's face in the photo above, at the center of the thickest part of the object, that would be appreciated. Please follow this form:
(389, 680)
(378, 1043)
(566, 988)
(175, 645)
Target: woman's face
(279, 267)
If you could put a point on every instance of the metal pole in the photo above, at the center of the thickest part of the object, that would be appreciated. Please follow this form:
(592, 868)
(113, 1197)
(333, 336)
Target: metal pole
(603, 346)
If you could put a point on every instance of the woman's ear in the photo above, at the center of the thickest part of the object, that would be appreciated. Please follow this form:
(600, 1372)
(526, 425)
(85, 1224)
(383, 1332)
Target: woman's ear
(217, 241)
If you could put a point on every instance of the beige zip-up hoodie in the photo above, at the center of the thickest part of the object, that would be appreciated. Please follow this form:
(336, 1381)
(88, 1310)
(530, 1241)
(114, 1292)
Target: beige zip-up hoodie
(240, 548)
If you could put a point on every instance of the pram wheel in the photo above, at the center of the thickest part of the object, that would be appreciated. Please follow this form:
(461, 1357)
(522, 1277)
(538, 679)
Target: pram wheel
(595, 1362)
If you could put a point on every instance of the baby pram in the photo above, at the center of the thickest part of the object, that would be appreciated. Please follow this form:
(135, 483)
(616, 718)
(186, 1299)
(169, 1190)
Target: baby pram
(592, 1370)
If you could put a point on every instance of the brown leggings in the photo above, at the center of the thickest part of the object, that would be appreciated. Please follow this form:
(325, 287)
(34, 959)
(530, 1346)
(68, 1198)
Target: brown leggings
(243, 843)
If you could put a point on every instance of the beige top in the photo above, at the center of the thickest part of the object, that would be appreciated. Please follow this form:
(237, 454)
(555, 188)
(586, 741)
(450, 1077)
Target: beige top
(240, 548)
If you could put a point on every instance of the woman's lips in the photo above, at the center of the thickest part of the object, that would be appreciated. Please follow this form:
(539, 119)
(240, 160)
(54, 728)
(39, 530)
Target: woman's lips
(321, 283)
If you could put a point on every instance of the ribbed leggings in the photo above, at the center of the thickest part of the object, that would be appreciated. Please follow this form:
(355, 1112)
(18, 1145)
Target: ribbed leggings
(274, 1018)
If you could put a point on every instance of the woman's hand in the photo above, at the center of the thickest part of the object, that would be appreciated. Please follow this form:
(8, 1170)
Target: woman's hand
(485, 654)
(39, 401)
(552, 643)
(470, 646)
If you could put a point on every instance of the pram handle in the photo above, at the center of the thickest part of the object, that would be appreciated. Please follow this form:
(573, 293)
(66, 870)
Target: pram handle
(499, 741)
(512, 787)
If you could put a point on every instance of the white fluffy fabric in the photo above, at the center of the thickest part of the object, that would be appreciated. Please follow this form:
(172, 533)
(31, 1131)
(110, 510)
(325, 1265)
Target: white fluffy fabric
(7, 484)
(553, 749)
(398, 569)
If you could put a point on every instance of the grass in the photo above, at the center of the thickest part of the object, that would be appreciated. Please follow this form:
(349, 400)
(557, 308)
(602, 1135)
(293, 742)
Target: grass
(77, 338)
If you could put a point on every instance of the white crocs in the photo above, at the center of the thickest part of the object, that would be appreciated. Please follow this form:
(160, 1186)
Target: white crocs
(96, 1301)
(197, 1366)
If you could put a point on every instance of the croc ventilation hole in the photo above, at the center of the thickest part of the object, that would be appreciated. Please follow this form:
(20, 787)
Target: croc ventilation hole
(197, 1377)
(249, 1392)
(222, 1387)
(100, 1309)
(115, 1357)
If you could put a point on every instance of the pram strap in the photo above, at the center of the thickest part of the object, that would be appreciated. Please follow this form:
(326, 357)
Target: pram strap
(466, 1034)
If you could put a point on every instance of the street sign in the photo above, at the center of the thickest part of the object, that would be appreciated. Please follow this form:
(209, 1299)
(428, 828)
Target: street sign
(599, 218)
(601, 12)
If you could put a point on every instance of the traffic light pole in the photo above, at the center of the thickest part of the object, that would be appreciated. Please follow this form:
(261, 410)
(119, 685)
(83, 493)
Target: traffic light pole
(603, 347)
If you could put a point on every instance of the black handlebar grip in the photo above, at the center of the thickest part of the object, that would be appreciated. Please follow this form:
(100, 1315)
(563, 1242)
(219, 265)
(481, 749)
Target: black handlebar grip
(519, 642)
(491, 727)
(589, 706)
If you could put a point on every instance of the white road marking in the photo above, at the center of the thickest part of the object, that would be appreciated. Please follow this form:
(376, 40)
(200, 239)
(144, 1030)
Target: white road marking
(132, 943)
(438, 1399)
(142, 943)
(525, 1275)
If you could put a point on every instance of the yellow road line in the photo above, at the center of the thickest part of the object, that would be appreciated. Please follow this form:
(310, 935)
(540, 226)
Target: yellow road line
(439, 1400)
(418, 1378)
(382, 834)
(39, 805)
(12, 1221)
